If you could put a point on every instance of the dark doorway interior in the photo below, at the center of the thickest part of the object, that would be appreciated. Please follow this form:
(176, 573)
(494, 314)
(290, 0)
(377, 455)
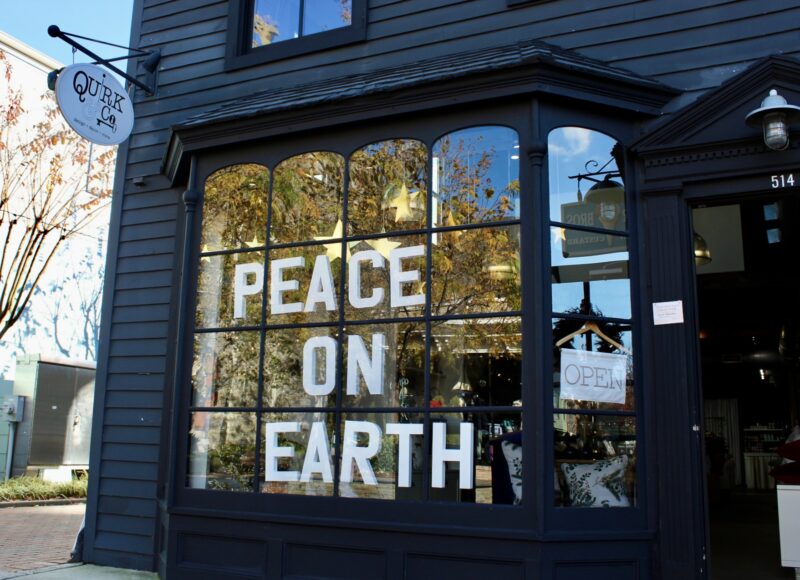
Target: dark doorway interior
(749, 316)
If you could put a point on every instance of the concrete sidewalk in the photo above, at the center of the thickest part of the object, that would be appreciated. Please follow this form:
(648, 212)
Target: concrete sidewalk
(84, 572)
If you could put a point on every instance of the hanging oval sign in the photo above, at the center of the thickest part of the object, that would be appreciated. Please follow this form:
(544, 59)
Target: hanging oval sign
(94, 104)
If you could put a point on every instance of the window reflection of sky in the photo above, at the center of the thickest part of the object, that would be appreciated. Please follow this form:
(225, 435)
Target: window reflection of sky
(322, 15)
(569, 150)
(280, 17)
(277, 20)
(500, 145)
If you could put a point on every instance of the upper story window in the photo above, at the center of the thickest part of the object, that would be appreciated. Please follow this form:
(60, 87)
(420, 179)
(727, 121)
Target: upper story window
(267, 30)
(281, 20)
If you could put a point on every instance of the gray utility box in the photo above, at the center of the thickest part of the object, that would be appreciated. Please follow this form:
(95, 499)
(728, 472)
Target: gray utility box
(56, 425)
(6, 420)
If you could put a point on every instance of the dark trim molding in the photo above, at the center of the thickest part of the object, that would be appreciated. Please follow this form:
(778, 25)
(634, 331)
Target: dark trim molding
(542, 76)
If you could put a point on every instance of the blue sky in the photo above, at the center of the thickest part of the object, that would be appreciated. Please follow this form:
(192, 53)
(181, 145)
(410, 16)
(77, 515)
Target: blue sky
(108, 20)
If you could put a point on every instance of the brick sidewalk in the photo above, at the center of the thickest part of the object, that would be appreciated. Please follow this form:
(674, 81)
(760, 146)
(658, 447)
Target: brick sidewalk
(37, 537)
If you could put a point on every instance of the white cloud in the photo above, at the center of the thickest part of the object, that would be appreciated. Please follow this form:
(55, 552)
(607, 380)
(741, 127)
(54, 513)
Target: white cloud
(570, 141)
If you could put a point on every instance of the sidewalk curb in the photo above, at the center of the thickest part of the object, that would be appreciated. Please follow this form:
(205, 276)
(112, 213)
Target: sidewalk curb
(42, 502)
(24, 573)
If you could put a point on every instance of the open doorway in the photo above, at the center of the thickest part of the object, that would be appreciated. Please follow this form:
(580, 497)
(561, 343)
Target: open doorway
(748, 283)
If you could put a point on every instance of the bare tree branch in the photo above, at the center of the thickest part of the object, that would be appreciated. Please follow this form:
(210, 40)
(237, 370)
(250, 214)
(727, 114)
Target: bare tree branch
(44, 197)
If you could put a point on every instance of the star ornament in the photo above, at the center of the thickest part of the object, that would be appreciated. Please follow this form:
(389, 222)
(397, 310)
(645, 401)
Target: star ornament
(383, 246)
(254, 243)
(406, 205)
(334, 250)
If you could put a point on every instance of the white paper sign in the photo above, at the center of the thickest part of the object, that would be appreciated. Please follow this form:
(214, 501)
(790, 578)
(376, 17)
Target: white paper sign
(94, 104)
(668, 312)
(593, 376)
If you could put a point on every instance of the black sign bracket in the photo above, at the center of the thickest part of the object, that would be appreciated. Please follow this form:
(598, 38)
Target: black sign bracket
(149, 65)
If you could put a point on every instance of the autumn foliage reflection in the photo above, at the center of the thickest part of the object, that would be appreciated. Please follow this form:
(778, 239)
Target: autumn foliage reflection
(462, 217)
(51, 186)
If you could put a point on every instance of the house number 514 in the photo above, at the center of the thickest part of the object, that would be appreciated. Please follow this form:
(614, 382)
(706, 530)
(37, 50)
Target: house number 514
(782, 180)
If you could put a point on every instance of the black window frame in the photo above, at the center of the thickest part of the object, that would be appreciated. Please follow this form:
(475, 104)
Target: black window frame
(464, 519)
(569, 518)
(532, 118)
(240, 54)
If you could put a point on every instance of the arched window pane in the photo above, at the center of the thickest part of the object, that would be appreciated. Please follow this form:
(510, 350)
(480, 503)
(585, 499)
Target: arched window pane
(476, 176)
(235, 208)
(586, 179)
(307, 198)
(388, 187)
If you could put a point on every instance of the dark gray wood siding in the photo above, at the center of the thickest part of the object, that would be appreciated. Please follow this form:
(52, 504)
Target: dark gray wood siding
(693, 45)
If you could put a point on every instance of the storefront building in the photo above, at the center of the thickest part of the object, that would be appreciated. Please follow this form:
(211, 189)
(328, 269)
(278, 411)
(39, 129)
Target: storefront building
(409, 289)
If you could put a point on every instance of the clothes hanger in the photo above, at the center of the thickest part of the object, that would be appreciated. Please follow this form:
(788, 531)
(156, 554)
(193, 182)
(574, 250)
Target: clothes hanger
(592, 327)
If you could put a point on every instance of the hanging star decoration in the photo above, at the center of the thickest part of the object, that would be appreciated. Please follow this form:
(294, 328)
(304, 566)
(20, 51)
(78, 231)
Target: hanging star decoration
(254, 243)
(383, 246)
(406, 205)
(203, 250)
(334, 250)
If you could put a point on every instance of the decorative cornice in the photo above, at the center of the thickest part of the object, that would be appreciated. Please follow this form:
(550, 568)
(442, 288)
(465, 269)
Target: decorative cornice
(719, 103)
(709, 152)
(523, 69)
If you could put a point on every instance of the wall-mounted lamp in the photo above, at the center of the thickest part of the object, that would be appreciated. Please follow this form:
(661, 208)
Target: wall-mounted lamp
(702, 255)
(775, 115)
(606, 191)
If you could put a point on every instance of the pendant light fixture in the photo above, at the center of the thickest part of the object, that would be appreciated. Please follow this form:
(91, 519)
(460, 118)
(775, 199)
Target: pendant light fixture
(774, 115)
(702, 255)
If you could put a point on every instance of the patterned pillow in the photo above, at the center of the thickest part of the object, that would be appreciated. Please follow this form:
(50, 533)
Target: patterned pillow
(600, 484)
(513, 454)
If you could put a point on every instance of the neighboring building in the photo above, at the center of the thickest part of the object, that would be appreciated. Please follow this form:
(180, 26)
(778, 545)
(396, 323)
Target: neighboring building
(413, 289)
(62, 319)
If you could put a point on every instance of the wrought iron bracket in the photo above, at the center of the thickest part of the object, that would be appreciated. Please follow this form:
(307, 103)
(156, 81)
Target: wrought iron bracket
(149, 65)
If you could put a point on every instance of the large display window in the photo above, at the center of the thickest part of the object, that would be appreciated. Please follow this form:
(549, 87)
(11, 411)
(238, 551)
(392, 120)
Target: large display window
(358, 330)
(363, 332)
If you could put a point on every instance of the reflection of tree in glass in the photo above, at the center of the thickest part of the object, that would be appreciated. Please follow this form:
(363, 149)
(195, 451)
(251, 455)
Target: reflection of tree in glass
(388, 187)
(466, 191)
(222, 447)
(346, 11)
(215, 303)
(264, 30)
(225, 369)
(232, 466)
(307, 196)
(235, 208)
(283, 368)
(404, 359)
(476, 271)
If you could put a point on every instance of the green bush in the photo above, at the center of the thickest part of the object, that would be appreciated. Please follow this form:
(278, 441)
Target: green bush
(33, 488)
